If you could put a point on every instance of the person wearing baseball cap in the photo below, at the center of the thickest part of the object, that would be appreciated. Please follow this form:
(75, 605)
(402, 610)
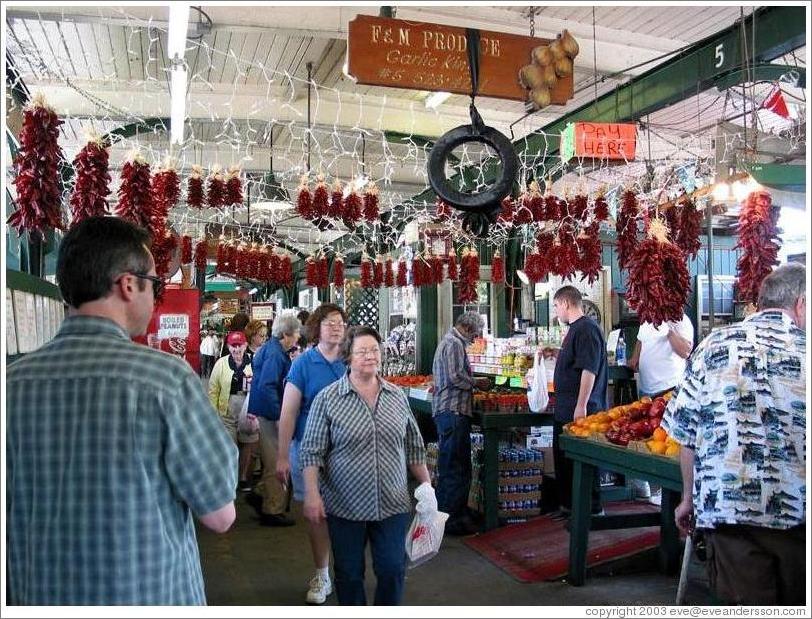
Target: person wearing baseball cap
(228, 381)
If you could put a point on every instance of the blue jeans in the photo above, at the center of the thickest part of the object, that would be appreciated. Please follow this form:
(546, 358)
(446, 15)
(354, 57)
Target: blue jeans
(453, 464)
(387, 538)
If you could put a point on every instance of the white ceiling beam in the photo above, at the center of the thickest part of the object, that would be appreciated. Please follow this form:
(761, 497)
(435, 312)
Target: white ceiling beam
(331, 108)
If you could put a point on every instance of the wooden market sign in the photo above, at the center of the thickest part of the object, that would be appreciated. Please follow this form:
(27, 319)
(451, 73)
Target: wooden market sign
(416, 55)
(599, 141)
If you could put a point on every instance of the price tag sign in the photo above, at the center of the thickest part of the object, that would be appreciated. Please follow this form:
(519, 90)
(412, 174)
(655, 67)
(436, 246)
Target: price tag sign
(501, 380)
(516, 381)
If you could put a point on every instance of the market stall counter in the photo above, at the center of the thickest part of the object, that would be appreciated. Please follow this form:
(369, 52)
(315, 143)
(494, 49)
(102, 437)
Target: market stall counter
(587, 455)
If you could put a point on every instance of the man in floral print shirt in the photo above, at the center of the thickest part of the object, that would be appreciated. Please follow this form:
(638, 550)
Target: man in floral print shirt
(740, 416)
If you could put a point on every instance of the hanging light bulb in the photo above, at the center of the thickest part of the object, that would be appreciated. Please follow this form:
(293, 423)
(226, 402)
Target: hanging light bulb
(721, 192)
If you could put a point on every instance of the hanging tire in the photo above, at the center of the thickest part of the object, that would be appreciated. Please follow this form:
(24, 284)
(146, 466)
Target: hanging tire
(478, 202)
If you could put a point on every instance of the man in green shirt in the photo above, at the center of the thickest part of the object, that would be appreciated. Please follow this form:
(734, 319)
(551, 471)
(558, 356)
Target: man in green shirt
(111, 446)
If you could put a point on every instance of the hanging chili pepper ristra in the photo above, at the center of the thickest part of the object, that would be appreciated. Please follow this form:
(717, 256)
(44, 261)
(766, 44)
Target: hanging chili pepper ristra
(320, 205)
(453, 272)
(336, 206)
(186, 249)
(89, 196)
(304, 200)
(401, 280)
(589, 253)
(323, 271)
(194, 189)
(366, 272)
(690, 228)
(201, 255)
(371, 204)
(536, 203)
(627, 228)
(497, 268)
(759, 242)
(658, 283)
(601, 208)
(135, 192)
(233, 195)
(39, 197)
(338, 271)
(285, 270)
(275, 267)
(469, 277)
(388, 273)
(311, 277)
(377, 271)
(523, 213)
(418, 272)
(352, 209)
(216, 190)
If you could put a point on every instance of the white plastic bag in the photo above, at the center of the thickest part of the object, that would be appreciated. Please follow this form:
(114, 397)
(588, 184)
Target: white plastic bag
(246, 422)
(425, 534)
(537, 396)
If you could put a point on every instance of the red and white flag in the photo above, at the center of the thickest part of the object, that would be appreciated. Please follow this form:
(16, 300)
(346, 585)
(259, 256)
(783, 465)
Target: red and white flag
(775, 102)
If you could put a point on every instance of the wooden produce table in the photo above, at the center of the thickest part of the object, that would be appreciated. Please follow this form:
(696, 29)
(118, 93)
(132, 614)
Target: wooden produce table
(491, 424)
(587, 455)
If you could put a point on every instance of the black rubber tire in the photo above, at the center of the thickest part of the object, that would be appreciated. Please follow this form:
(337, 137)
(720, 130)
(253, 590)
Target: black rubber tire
(485, 200)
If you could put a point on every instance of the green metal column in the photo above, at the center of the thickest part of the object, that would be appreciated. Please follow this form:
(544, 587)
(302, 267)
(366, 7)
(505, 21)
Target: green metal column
(426, 328)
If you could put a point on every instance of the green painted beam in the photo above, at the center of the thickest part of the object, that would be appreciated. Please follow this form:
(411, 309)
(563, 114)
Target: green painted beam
(779, 176)
(762, 72)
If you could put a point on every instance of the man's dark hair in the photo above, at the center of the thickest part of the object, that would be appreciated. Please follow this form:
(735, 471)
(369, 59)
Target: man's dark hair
(94, 253)
(571, 295)
(239, 321)
(313, 324)
(350, 337)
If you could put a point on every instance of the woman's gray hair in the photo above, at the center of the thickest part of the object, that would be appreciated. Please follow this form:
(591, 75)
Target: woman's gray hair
(783, 287)
(285, 324)
(471, 321)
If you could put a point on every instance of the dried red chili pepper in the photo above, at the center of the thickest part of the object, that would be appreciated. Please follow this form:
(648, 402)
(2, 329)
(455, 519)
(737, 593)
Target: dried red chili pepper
(388, 273)
(402, 279)
(627, 228)
(336, 206)
(304, 201)
(320, 206)
(233, 194)
(758, 242)
(311, 277)
(194, 189)
(201, 255)
(497, 268)
(39, 196)
(371, 199)
(352, 209)
(452, 265)
(367, 274)
(89, 196)
(377, 272)
(216, 190)
(338, 272)
(135, 192)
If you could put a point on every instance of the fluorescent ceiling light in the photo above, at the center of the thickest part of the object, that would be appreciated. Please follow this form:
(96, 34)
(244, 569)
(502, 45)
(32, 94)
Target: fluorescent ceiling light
(272, 206)
(178, 105)
(253, 290)
(178, 26)
(436, 98)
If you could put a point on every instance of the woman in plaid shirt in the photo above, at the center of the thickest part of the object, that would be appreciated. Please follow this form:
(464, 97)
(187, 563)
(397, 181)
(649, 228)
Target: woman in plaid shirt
(361, 438)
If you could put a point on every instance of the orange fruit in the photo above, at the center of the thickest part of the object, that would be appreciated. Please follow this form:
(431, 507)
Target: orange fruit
(659, 434)
(672, 450)
(657, 447)
(603, 427)
(615, 414)
(645, 399)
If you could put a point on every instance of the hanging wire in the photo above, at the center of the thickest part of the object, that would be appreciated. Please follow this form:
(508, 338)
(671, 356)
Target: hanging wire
(594, 55)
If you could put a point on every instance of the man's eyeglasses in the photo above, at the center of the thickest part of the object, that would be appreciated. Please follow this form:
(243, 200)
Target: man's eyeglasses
(332, 324)
(157, 283)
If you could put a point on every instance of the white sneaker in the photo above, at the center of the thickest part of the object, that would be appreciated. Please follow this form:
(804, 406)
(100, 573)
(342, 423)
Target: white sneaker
(320, 588)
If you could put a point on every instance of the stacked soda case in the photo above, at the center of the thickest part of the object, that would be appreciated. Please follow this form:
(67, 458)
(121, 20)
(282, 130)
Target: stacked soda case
(520, 477)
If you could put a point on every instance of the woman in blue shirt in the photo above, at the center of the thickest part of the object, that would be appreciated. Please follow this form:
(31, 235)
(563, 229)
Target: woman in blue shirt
(312, 371)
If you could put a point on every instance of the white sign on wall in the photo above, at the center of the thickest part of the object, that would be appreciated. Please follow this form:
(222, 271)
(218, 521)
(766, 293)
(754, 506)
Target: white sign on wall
(173, 325)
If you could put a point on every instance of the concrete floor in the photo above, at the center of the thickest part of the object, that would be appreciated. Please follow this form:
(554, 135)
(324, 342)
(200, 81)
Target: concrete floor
(263, 566)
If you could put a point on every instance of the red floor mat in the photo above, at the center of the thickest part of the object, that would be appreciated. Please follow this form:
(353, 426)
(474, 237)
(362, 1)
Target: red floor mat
(539, 549)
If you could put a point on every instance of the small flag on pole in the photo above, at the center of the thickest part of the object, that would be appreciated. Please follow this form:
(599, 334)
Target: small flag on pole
(775, 102)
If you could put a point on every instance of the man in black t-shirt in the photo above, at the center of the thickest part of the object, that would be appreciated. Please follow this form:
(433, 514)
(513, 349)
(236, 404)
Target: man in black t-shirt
(580, 384)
